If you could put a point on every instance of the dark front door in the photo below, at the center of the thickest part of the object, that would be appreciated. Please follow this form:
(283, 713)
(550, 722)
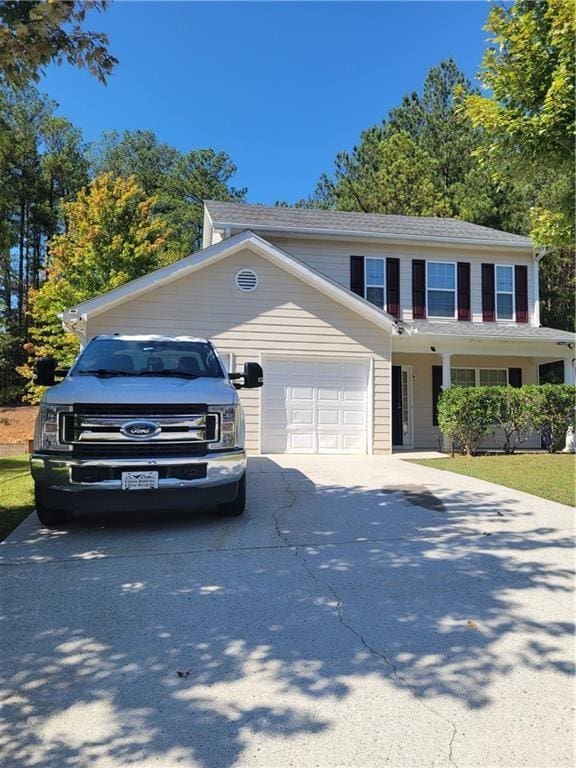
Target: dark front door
(397, 405)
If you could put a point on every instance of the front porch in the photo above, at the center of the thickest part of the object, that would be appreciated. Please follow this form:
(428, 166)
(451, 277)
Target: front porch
(422, 367)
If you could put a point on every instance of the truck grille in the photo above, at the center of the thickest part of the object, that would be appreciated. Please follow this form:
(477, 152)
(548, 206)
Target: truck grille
(104, 430)
(147, 450)
(102, 474)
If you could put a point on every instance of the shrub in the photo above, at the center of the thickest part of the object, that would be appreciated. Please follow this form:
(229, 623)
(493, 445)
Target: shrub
(551, 409)
(467, 414)
(514, 415)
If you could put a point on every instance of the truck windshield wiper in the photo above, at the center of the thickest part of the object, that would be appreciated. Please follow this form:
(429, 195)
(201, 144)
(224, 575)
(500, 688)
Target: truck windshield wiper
(169, 372)
(104, 372)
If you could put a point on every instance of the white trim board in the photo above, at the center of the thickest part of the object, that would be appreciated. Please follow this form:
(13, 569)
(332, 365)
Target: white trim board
(213, 254)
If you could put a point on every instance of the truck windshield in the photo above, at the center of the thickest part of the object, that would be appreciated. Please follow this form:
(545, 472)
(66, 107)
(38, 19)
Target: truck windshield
(131, 357)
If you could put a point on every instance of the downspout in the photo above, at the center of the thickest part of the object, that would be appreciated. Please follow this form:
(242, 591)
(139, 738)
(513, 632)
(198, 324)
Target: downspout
(536, 259)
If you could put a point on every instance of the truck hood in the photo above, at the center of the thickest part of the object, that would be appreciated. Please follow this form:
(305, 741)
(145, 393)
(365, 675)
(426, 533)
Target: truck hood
(141, 390)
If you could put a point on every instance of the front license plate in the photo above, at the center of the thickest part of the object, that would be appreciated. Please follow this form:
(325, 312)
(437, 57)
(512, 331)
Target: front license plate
(139, 481)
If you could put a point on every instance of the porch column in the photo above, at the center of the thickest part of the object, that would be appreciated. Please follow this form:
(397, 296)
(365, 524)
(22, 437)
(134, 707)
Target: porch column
(446, 375)
(569, 377)
(446, 384)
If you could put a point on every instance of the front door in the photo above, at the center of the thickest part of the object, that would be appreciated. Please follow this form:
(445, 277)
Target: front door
(397, 431)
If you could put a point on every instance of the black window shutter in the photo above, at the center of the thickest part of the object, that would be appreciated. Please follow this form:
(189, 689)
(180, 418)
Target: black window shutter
(515, 377)
(393, 286)
(436, 391)
(357, 275)
(418, 289)
(463, 290)
(521, 283)
(488, 306)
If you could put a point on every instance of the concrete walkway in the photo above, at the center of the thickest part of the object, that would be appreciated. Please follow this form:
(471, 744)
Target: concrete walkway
(365, 612)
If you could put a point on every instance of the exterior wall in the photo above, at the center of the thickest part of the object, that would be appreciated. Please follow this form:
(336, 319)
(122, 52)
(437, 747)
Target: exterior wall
(426, 435)
(283, 315)
(332, 258)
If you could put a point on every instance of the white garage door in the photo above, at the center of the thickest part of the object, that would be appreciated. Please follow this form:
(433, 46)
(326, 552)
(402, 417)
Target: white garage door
(310, 406)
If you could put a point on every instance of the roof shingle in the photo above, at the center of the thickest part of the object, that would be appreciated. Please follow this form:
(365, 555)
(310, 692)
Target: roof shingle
(424, 227)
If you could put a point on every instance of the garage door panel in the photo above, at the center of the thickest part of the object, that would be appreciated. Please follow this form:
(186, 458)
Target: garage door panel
(326, 416)
(298, 416)
(312, 406)
(328, 394)
(301, 393)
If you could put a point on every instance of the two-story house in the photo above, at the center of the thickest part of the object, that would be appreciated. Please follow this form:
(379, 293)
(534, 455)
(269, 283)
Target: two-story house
(359, 320)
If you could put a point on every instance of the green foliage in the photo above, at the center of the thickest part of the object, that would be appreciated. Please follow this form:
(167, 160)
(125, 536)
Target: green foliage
(111, 237)
(528, 118)
(552, 411)
(437, 173)
(42, 163)
(466, 415)
(36, 33)
(179, 181)
(514, 414)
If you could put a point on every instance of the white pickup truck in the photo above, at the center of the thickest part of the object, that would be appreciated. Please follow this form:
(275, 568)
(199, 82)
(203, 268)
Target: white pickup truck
(141, 422)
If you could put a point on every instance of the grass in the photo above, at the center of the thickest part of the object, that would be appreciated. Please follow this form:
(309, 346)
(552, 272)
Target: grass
(551, 476)
(16, 494)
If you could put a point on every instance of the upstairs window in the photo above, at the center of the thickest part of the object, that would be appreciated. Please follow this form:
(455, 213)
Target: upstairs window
(441, 289)
(375, 281)
(504, 292)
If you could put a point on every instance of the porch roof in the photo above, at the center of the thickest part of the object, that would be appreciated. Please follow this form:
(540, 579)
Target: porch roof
(487, 331)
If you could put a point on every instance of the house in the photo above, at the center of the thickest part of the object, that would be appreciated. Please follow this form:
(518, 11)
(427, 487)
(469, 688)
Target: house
(359, 320)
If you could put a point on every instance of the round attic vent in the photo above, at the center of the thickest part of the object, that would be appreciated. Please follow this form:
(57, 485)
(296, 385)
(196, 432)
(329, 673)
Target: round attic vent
(246, 280)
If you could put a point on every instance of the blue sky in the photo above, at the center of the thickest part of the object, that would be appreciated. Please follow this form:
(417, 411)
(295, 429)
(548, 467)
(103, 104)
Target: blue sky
(281, 87)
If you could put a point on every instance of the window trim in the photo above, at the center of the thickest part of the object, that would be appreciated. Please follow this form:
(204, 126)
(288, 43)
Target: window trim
(454, 291)
(477, 375)
(505, 293)
(371, 285)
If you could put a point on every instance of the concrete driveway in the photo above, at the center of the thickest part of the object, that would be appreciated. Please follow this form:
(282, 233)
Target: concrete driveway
(364, 612)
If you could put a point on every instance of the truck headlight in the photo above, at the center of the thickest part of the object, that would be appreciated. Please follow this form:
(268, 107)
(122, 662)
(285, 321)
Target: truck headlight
(49, 433)
(230, 428)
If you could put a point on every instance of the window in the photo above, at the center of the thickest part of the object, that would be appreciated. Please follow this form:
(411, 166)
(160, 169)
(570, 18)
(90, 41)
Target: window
(441, 289)
(463, 377)
(493, 378)
(504, 293)
(374, 280)
(479, 377)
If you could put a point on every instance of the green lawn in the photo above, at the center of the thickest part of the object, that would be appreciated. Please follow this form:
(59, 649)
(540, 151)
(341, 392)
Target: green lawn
(551, 476)
(16, 496)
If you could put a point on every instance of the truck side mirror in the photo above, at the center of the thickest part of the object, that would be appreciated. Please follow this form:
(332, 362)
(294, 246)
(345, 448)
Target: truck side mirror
(45, 371)
(253, 375)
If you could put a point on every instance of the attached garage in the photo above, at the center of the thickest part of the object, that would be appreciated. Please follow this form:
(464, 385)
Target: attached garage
(315, 406)
(325, 351)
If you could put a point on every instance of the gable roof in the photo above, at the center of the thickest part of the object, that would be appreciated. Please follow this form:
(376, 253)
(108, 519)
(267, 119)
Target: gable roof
(315, 221)
(201, 259)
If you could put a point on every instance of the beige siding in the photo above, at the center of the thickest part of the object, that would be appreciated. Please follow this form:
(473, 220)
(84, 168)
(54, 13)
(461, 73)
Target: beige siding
(426, 435)
(283, 315)
(332, 258)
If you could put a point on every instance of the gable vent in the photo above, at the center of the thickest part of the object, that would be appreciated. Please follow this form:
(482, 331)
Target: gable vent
(246, 280)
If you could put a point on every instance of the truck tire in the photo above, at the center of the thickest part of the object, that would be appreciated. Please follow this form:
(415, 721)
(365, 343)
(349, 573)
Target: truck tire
(47, 515)
(235, 508)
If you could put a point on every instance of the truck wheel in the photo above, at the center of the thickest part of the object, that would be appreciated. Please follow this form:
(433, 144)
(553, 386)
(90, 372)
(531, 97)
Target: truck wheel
(47, 515)
(236, 507)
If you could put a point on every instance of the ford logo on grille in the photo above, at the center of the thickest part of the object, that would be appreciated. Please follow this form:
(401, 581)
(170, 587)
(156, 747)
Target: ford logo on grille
(140, 430)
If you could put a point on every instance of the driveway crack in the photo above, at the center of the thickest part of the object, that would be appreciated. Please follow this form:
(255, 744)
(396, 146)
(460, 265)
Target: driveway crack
(300, 556)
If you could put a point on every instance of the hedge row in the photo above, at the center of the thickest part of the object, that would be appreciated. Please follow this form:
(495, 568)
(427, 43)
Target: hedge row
(467, 415)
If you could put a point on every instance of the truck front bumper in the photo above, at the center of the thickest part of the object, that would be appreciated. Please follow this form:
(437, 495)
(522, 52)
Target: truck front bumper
(68, 483)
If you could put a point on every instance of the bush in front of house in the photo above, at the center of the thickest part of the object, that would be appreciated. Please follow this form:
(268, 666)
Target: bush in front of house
(466, 415)
(469, 414)
(552, 411)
